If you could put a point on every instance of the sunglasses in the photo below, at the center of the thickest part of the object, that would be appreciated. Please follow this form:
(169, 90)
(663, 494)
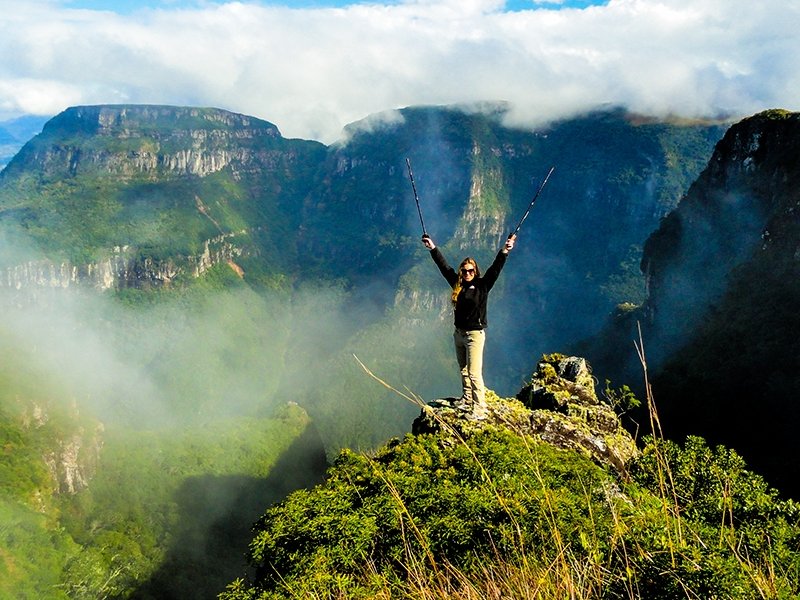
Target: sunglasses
(467, 271)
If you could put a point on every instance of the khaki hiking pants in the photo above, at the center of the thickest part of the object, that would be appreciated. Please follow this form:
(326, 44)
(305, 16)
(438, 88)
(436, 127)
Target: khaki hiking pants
(469, 353)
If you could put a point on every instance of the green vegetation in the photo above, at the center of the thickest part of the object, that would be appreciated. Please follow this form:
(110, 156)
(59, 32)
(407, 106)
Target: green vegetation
(500, 515)
(192, 448)
(627, 283)
(621, 399)
(165, 507)
(33, 554)
(420, 504)
(188, 497)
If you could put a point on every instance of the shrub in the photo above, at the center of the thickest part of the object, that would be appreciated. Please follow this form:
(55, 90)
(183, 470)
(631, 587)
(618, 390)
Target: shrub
(498, 515)
(717, 529)
(423, 503)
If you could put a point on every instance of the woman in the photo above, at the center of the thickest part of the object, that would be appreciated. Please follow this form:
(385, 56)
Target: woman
(470, 295)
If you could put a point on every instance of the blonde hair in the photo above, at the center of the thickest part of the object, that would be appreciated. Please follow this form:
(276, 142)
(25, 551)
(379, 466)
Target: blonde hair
(457, 287)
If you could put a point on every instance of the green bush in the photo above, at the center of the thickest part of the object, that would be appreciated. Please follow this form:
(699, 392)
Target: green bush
(32, 554)
(424, 502)
(690, 522)
(716, 529)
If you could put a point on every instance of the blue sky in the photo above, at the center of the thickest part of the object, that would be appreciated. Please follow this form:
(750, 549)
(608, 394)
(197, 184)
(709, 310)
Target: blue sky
(128, 6)
(313, 71)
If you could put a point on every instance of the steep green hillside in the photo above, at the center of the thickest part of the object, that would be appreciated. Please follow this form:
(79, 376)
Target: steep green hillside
(92, 511)
(158, 182)
(721, 320)
(189, 499)
(736, 380)
(742, 205)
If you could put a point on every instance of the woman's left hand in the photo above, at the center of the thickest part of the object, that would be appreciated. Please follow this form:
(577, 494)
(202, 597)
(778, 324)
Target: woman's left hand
(509, 244)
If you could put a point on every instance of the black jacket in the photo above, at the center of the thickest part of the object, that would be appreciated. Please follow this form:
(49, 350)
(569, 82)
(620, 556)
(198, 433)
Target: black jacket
(470, 309)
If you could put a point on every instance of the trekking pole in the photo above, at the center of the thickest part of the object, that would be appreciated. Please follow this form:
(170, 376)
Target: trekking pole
(416, 198)
(530, 206)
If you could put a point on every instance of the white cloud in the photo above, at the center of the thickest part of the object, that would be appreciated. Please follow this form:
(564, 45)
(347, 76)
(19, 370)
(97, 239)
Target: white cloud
(312, 71)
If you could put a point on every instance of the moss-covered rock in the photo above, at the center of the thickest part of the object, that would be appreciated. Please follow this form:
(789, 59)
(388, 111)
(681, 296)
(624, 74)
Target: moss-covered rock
(558, 406)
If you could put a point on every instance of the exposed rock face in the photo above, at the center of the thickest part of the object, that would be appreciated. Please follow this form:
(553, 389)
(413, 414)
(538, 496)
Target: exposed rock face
(130, 140)
(559, 406)
(73, 455)
(74, 462)
(486, 212)
(122, 269)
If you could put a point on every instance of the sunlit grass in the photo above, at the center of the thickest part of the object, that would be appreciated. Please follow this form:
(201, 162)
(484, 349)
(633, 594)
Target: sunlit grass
(684, 522)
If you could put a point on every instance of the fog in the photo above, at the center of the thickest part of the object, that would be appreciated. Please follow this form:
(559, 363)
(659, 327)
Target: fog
(180, 359)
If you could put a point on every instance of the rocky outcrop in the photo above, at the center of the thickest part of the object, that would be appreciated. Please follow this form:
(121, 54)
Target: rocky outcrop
(558, 406)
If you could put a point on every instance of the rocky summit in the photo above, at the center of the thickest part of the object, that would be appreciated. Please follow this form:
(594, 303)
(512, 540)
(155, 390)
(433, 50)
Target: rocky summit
(558, 406)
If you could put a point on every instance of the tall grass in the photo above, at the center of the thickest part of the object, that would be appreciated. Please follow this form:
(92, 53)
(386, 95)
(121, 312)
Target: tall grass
(566, 574)
(687, 523)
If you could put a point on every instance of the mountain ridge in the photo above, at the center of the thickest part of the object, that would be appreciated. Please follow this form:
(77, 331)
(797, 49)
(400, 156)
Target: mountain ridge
(718, 322)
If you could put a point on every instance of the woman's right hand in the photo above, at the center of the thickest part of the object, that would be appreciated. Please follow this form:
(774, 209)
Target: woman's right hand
(428, 242)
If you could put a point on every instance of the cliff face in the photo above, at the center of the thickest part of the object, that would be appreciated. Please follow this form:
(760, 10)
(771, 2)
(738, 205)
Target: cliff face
(122, 269)
(68, 445)
(745, 203)
(73, 462)
(720, 322)
(147, 141)
(123, 196)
